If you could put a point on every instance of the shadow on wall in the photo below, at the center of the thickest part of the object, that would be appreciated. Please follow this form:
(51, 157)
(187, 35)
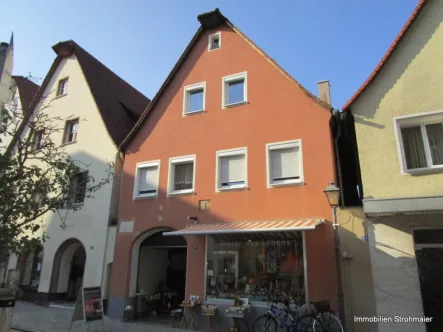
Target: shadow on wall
(399, 62)
(392, 282)
(87, 226)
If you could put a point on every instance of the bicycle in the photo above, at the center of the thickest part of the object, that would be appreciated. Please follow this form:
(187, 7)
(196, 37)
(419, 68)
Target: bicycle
(277, 317)
(321, 319)
(268, 321)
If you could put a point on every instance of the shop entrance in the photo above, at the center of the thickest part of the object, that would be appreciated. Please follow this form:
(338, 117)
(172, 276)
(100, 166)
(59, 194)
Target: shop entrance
(161, 276)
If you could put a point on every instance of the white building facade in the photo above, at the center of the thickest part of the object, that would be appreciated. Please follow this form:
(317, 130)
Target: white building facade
(98, 110)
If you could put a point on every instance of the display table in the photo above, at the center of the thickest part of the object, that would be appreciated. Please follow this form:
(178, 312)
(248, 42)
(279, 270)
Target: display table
(183, 324)
(240, 315)
(209, 311)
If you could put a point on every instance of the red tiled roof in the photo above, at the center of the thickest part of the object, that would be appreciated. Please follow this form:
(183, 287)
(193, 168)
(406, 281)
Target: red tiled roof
(27, 91)
(248, 227)
(387, 55)
(211, 20)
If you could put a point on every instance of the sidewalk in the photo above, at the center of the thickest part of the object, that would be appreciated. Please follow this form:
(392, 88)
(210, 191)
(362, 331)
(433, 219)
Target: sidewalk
(31, 317)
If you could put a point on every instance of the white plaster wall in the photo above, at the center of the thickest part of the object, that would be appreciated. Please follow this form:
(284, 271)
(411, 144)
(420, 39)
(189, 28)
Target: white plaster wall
(5, 78)
(12, 263)
(94, 147)
(16, 102)
(395, 274)
(152, 268)
(28, 269)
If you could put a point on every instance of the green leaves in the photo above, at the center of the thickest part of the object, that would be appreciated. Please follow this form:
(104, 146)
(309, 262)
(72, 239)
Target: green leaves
(35, 184)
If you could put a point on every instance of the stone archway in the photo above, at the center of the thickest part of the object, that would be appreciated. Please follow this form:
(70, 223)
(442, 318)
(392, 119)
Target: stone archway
(67, 272)
(159, 267)
(135, 254)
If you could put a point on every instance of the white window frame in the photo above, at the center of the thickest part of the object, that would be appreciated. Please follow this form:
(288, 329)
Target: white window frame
(187, 90)
(141, 165)
(280, 146)
(227, 153)
(417, 119)
(180, 160)
(68, 124)
(64, 82)
(211, 39)
(225, 89)
(36, 147)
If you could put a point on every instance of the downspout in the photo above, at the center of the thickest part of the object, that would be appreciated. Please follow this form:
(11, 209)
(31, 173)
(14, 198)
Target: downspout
(336, 225)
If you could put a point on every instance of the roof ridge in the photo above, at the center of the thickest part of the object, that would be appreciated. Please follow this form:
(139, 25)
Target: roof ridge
(388, 53)
(76, 45)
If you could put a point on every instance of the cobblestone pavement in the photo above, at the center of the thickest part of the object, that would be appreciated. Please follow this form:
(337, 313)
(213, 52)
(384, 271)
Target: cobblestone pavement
(31, 317)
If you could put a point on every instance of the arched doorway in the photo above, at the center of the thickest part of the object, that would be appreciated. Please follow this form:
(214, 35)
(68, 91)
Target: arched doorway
(67, 271)
(159, 272)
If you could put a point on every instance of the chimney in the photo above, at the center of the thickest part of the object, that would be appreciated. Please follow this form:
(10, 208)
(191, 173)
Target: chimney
(324, 92)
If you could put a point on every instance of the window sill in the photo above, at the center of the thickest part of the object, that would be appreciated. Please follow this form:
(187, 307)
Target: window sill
(423, 171)
(181, 192)
(74, 206)
(69, 143)
(232, 188)
(60, 96)
(214, 49)
(139, 197)
(287, 184)
(240, 103)
(193, 113)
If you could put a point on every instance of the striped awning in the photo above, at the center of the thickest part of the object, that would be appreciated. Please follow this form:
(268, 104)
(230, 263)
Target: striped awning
(248, 227)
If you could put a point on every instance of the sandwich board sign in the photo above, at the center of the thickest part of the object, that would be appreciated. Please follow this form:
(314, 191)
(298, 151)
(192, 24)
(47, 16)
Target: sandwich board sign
(89, 306)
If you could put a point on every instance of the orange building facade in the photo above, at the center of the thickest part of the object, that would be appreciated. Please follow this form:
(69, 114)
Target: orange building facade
(229, 143)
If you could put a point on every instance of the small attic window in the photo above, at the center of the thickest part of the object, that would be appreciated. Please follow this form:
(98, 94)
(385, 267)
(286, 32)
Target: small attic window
(214, 41)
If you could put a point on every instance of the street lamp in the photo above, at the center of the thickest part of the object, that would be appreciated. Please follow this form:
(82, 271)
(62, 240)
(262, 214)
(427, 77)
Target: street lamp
(332, 193)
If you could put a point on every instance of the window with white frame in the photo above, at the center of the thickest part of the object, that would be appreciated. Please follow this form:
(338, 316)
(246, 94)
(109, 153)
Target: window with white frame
(284, 163)
(231, 169)
(420, 139)
(181, 175)
(146, 179)
(62, 87)
(71, 129)
(214, 41)
(37, 141)
(194, 98)
(77, 190)
(234, 89)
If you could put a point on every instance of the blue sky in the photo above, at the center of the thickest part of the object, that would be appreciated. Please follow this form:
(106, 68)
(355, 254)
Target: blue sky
(340, 40)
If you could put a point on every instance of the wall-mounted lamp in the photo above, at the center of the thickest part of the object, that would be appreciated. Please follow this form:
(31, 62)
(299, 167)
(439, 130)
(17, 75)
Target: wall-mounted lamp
(194, 249)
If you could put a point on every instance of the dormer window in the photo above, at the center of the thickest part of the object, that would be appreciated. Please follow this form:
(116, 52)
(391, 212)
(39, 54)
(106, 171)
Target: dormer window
(214, 41)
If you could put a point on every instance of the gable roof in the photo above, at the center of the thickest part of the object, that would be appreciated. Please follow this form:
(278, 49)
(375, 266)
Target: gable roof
(388, 53)
(211, 20)
(27, 90)
(119, 104)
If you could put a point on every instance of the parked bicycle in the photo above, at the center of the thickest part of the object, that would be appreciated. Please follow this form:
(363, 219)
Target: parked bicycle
(281, 316)
(319, 319)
